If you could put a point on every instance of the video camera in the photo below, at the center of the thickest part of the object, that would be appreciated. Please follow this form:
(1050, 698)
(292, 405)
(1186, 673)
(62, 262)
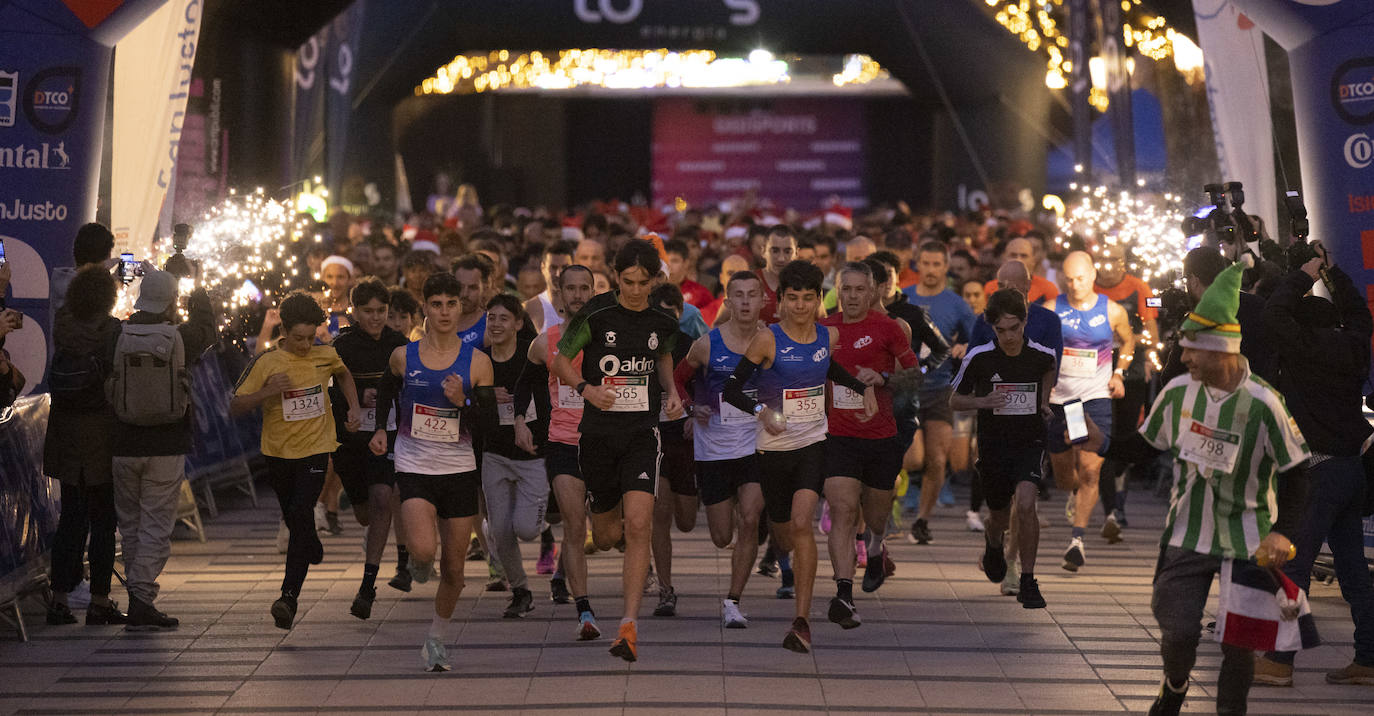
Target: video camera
(1223, 222)
(178, 265)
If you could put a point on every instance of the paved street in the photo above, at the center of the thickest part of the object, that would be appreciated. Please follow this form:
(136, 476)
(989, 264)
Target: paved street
(938, 638)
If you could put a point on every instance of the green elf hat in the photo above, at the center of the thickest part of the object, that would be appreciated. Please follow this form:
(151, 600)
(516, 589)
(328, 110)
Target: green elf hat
(1212, 326)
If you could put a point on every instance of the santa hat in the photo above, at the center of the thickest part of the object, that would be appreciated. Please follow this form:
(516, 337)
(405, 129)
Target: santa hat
(841, 216)
(1213, 326)
(736, 231)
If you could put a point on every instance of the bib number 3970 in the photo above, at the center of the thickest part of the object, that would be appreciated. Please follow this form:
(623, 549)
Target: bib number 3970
(439, 425)
(1210, 448)
(1020, 398)
(302, 403)
(804, 405)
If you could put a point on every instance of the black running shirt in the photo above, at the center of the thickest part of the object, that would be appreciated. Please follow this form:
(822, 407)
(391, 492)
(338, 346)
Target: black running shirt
(987, 369)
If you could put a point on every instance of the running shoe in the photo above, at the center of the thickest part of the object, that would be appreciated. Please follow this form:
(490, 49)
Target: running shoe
(860, 553)
(875, 573)
(788, 590)
(475, 553)
(825, 518)
(730, 615)
(558, 591)
(667, 603)
(1073, 556)
(1271, 673)
(283, 537)
(974, 521)
(624, 644)
(496, 580)
(1029, 594)
(402, 580)
(589, 545)
(284, 611)
(768, 564)
(321, 521)
(586, 627)
(420, 572)
(331, 520)
(521, 603)
(844, 613)
(994, 561)
(548, 559)
(434, 656)
(946, 497)
(798, 638)
(920, 532)
(1111, 529)
(650, 582)
(1169, 702)
(362, 603)
(1011, 584)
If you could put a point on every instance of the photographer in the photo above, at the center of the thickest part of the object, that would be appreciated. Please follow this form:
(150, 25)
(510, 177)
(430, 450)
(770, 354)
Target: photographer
(1200, 269)
(1323, 363)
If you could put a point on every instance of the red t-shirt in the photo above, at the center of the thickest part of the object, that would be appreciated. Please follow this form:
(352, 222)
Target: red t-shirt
(710, 311)
(1132, 294)
(878, 343)
(1042, 289)
(769, 312)
(695, 293)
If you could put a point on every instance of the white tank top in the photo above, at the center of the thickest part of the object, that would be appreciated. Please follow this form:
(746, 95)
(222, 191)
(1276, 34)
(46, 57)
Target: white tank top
(551, 317)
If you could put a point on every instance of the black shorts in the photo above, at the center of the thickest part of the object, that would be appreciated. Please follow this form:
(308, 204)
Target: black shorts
(613, 465)
(678, 466)
(1002, 472)
(359, 470)
(785, 472)
(719, 480)
(935, 406)
(453, 495)
(875, 463)
(561, 459)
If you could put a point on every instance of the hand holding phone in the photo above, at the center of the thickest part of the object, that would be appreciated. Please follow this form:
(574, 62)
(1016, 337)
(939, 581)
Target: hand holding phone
(127, 268)
(1073, 418)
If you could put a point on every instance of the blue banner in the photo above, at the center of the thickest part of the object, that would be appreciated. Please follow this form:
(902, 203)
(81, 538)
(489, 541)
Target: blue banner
(217, 436)
(29, 502)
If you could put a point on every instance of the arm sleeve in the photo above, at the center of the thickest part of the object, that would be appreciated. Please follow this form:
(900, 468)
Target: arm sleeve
(484, 405)
(388, 392)
(839, 376)
(933, 339)
(683, 375)
(733, 392)
(575, 336)
(533, 380)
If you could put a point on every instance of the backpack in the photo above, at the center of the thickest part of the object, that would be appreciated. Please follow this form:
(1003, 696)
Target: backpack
(149, 384)
(75, 381)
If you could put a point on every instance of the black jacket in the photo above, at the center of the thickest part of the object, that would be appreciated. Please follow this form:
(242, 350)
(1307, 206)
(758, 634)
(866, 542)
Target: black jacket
(1322, 371)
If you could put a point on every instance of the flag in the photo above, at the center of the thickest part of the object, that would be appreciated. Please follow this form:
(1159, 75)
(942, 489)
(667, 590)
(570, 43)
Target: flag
(1262, 609)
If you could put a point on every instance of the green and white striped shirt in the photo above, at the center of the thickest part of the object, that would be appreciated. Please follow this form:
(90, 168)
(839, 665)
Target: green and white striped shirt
(1228, 449)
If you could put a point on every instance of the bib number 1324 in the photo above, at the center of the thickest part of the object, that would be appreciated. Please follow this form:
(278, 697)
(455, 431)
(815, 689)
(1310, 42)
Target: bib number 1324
(302, 403)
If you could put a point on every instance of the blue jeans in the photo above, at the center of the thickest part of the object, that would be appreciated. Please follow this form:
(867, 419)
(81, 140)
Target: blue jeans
(1336, 489)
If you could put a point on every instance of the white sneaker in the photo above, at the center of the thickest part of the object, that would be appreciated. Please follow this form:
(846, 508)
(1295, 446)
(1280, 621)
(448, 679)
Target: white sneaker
(974, 521)
(283, 537)
(434, 656)
(1073, 556)
(651, 583)
(1011, 584)
(321, 520)
(731, 617)
(1071, 507)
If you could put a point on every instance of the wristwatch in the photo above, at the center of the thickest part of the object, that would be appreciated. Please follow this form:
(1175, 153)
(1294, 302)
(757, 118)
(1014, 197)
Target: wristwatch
(758, 408)
(581, 387)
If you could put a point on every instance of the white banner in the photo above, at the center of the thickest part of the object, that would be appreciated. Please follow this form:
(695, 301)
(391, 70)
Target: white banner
(1238, 95)
(152, 76)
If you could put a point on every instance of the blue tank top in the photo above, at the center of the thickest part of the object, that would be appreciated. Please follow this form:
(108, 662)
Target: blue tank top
(730, 433)
(431, 437)
(795, 386)
(474, 336)
(1086, 366)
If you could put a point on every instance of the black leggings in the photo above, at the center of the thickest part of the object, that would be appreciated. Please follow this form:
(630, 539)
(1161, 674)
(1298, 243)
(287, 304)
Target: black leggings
(297, 484)
(86, 510)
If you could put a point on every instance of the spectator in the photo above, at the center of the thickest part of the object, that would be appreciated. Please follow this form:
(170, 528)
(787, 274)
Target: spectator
(149, 460)
(84, 335)
(94, 245)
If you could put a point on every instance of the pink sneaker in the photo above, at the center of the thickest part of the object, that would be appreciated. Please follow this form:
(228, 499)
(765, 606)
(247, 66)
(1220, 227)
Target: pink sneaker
(861, 549)
(548, 559)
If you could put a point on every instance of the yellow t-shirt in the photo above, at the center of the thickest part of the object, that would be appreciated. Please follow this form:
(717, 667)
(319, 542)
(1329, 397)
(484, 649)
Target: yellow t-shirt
(299, 422)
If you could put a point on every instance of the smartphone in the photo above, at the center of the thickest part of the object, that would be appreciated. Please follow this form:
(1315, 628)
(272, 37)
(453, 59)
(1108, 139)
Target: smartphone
(127, 265)
(3, 261)
(1154, 302)
(1073, 417)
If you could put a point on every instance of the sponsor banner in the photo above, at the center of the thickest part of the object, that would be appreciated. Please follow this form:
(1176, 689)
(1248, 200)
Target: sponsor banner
(797, 152)
(202, 159)
(29, 502)
(344, 39)
(1237, 94)
(152, 80)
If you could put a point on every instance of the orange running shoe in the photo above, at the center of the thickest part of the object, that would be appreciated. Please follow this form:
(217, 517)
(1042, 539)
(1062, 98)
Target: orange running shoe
(624, 645)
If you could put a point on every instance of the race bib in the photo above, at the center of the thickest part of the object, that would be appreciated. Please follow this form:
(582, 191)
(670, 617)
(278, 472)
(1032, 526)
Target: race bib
(842, 398)
(370, 421)
(1209, 448)
(1079, 363)
(631, 393)
(568, 399)
(1020, 398)
(302, 403)
(505, 412)
(730, 415)
(439, 425)
(804, 405)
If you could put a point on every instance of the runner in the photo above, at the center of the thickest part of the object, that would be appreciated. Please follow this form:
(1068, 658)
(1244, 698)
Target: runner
(560, 452)
(625, 342)
(954, 319)
(676, 499)
(1090, 321)
(780, 249)
(724, 439)
(545, 310)
(795, 358)
(436, 469)
(473, 275)
(513, 479)
(298, 432)
(1008, 381)
(365, 347)
(863, 454)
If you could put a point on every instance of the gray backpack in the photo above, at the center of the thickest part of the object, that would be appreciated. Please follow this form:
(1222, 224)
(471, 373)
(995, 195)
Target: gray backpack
(150, 384)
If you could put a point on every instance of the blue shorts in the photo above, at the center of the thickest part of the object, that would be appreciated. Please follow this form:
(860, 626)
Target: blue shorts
(1099, 411)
